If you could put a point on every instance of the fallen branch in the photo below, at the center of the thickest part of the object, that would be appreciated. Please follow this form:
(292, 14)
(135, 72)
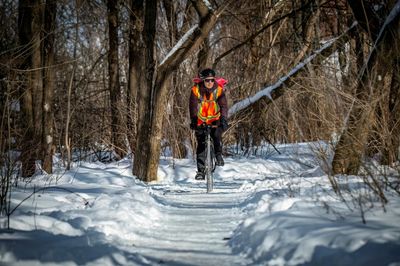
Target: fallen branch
(272, 92)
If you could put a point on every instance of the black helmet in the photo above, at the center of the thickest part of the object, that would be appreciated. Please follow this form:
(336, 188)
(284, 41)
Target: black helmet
(207, 72)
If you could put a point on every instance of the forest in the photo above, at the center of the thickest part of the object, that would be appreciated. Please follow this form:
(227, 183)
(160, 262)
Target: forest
(98, 158)
(88, 78)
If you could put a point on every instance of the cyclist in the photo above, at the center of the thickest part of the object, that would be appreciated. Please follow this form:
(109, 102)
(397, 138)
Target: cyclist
(208, 105)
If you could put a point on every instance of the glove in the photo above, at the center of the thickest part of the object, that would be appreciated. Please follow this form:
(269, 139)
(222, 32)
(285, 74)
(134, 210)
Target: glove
(224, 124)
(193, 123)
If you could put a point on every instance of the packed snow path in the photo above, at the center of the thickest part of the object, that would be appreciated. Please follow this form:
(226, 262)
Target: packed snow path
(125, 221)
(197, 225)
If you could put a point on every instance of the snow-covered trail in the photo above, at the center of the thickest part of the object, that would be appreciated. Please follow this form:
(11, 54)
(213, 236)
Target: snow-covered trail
(196, 226)
(277, 210)
(125, 221)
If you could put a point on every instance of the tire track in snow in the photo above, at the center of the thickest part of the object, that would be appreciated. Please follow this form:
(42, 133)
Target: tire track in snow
(196, 226)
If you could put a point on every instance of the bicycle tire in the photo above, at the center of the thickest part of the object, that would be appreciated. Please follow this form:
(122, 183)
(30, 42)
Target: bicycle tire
(213, 158)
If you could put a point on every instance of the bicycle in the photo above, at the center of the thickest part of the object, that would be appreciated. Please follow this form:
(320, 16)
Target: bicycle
(210, 164)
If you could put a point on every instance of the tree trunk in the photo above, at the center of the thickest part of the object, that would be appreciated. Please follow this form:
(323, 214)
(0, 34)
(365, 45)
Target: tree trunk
(30, 23)
(117, 128)
(386, 142)
(47, 136)
(71, 84)
(202, 58)
(393, 148)
(136, 81)
(141, 166)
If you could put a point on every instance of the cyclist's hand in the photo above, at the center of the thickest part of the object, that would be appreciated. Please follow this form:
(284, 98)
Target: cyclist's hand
(224, 124)
(193, 123)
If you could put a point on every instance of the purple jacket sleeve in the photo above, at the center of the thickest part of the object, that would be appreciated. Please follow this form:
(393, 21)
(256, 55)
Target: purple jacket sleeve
(193, 105)
(223, 105)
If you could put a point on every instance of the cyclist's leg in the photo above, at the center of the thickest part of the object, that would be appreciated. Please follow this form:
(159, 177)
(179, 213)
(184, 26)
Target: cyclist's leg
(216, 135)
(201, 150)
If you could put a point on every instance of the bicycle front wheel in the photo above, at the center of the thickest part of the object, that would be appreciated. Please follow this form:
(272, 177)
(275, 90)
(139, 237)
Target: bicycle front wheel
(209, 166)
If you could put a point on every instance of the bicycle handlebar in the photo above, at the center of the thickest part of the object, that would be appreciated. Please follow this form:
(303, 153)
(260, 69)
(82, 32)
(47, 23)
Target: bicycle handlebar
(204, 125)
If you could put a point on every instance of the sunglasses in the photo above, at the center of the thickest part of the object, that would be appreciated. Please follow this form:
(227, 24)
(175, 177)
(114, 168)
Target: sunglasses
(209, 80)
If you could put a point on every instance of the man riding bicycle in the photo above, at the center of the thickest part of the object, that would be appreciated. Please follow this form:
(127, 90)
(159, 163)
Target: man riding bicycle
(208, 106)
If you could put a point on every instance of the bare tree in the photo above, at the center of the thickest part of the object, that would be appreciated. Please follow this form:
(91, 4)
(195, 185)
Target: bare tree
(36, 35)
(48, 86)
(353, 141)
(154, 101)
(117, 122)
(136, 81)
(30, 25)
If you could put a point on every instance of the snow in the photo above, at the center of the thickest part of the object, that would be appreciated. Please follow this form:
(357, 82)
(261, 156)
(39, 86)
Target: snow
(180, 43)
(269, 209)
(207, 3)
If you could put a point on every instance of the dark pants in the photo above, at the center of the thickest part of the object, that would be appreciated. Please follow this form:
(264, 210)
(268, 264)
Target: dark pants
(201, 136)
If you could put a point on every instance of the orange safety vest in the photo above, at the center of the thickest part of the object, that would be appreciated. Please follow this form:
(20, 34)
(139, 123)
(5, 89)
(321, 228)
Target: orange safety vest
(208, 109)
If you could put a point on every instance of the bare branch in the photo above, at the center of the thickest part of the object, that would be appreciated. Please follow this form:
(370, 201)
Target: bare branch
(276, 90)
